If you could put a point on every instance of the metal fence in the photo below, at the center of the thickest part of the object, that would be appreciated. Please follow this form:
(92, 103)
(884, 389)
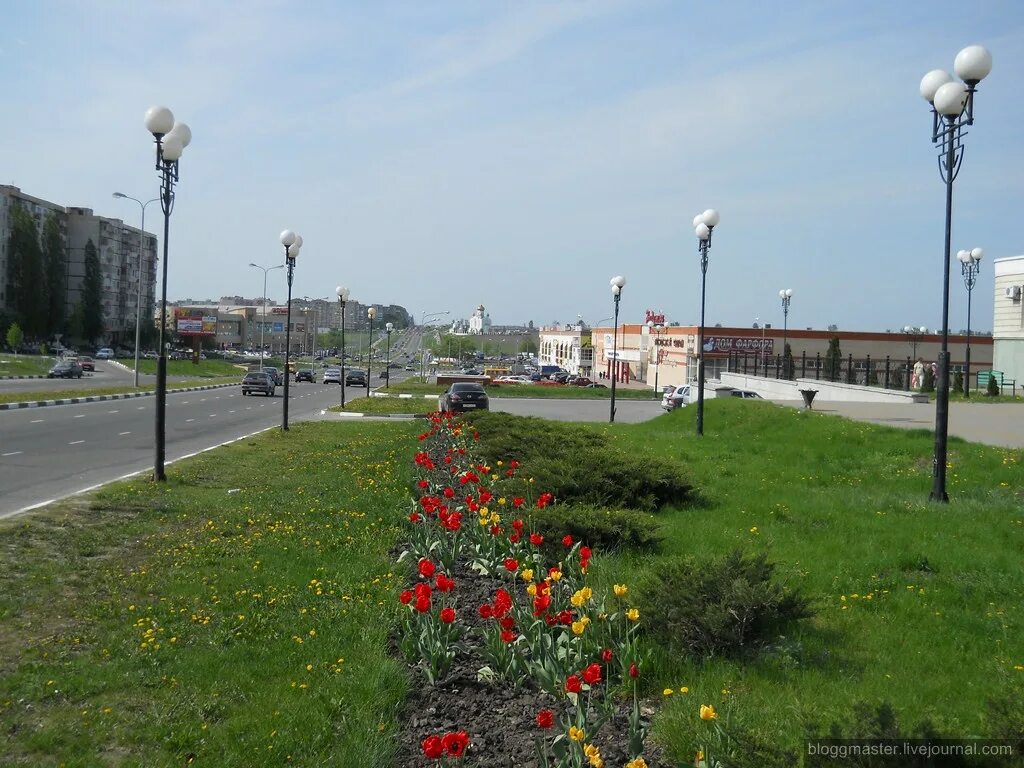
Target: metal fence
(887, 372)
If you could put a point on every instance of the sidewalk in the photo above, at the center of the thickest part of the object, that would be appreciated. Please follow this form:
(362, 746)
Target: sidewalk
(999, 424)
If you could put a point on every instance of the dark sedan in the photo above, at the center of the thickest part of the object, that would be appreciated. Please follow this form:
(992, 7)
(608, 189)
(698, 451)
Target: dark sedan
(305, 374)
(68, 369)
(463, 396)
(258, 381)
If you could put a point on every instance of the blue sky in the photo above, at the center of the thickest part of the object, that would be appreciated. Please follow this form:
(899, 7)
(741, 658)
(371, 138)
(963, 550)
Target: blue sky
(519, 154)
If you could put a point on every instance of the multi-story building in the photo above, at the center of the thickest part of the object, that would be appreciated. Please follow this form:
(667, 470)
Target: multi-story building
(127, 258)
(570, 348)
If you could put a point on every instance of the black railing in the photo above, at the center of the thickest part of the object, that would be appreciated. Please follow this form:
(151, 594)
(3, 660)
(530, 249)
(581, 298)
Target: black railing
(885, 373)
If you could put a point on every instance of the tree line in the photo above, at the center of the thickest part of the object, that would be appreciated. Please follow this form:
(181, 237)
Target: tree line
(37, 282)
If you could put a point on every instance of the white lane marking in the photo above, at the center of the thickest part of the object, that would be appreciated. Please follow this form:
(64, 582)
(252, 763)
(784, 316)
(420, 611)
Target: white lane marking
(212, 415)
(248, 407)
(115, 411)
(230, 411)
(36, 421)
(10, 453)
(76, 442)
(187, 421)
(80, 416)
(184, 402)
(141, 408)
(202, 399)
(122, 434)
(130, 475)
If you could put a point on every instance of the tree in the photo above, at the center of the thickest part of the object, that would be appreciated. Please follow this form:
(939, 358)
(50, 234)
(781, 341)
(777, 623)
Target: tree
(992, 390)
(929, 380)
(15, 337)
(788, 366)
(92, 295)
(25, 272)
(958, 381)
(55, 267)
(833, 359)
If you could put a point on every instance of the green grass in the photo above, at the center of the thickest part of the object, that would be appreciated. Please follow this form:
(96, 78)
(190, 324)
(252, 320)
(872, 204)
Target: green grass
(235, 614)
(416, 405)
(979, 396)
(205, 368)
(417, 386)
(841, 508)
(59, 394)
(24, 365)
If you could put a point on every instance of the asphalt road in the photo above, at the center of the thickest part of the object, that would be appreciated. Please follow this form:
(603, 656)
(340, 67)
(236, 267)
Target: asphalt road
(56, 451)
(106, 375)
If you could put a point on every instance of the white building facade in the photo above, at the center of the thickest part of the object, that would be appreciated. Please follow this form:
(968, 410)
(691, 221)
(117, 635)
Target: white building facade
(1008, 320)
(569, 349)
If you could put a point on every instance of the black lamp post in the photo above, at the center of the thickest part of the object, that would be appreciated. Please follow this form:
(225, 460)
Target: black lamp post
(617, 283)
(342, 300)
(970, 264)
(371, 313)
(171, 139)
(292, 244)
(388, 328)
(952, 106)
(786, 295)
(704, 224)
(657, 330)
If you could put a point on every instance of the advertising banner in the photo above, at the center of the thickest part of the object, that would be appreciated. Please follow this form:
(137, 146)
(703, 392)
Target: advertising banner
(194, 322)
(738, 344)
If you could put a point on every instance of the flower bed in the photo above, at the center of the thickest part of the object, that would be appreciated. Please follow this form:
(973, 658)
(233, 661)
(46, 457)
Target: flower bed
(519, 660)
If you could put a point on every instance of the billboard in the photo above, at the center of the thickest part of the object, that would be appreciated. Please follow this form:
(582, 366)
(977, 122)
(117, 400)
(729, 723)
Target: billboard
(194, 322)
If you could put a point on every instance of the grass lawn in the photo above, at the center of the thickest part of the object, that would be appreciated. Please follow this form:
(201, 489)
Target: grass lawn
(59, 394)
(918, 604)
(417, 405)
(235, 616)
(205, 368)
(417, 386)
(24, 365)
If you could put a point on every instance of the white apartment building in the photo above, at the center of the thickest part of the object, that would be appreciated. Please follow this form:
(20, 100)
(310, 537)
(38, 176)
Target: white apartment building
(568, 348)
(1008, 321)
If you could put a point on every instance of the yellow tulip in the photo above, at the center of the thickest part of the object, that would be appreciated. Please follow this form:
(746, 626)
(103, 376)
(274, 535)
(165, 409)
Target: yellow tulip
(576, 734)
(633, 614)
(578, 627)
(527, 574)
(620, 590)
(531, 590)
(638, 763)
(555, 575)
(707, 712)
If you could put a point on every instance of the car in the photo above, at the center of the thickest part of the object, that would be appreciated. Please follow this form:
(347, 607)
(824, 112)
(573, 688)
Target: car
(66, 369)
(275, 374)
(305, 374)
(395, 365)
(258, 381)
(355, 379)
(410, 367)
(581, 381)
(464, 396)
(150, 355)
(595, 385)
(676, 397)
(383, 374)
(332, 376)
(746, 394)
(87, 363)
(106, 353)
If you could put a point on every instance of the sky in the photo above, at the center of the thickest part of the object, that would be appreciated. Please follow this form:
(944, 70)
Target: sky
(440, 155)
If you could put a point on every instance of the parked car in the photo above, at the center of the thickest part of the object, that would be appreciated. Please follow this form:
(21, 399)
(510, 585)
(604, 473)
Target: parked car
(257, 381)
(87, 363)
(395, 365)
(410, 367)
(305, 374)
(676, 397)
(355, 379)
(595, 385)
(383, 374)
(463, 396)
(66, 369)
(275, 374)
(332, 376)
(746, 394)
(106, 353)
(581, 381)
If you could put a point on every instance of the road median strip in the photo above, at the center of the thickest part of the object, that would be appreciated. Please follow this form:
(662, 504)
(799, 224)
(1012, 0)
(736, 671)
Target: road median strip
(100, 398)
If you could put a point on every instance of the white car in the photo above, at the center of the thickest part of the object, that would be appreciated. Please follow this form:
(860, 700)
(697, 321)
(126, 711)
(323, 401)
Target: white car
(104, 354)
(677, 397)
(332, 376)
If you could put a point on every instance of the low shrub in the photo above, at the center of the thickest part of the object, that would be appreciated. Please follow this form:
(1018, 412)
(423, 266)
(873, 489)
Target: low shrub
(723, 606)
(992, 390)
(580, 465)
(604, 529)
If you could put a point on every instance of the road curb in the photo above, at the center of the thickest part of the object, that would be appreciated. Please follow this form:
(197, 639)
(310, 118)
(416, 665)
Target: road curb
(352, 416)
(38, 376)
(100, 398)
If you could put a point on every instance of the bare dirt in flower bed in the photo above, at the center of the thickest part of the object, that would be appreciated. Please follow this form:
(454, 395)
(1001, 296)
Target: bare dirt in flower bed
(499, 717)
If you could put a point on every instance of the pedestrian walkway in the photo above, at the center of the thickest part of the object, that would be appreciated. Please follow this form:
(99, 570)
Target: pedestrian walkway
(999, 424)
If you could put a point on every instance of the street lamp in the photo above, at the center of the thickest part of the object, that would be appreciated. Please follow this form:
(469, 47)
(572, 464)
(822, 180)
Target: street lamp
(138, 300)
(342, 299)
(171, 138)
(292, 245)
(952, 105)
(915, 334)
(388, 328)
(371, 312)
(657, 330)
(423, 324)
(263, 322)
(703, 224)
(970, 264)
(786, 295)
(617, 283)
(312, 359)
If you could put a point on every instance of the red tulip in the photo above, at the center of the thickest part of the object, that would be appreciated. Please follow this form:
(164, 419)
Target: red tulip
(432, 747)
(511, 565)
(545, 718)
(448, 616)
(606, 655)
(507, 622)
(573, 684)
(508, 635)
(592, 674)
(455, 744)
(567, 540)
(422, 604)
(405, 597)
(426, 568)
(634, 670)
(485, 611)
(536, 539)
